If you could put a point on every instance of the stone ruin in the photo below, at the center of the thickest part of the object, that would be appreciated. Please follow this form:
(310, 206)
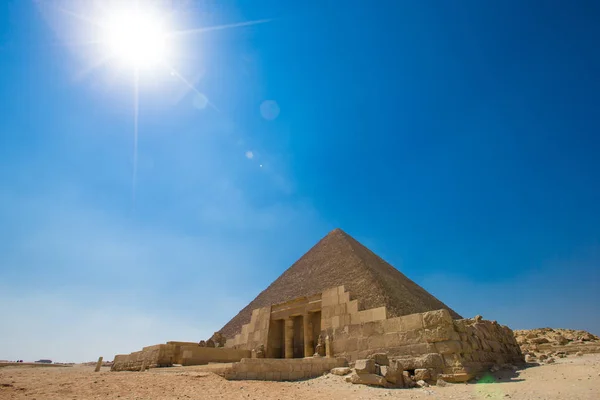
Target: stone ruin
(341, 305)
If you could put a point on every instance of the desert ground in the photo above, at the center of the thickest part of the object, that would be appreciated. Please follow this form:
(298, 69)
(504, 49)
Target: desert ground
(567, 378)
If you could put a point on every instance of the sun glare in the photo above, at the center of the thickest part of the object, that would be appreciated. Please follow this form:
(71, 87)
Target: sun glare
(135, 37)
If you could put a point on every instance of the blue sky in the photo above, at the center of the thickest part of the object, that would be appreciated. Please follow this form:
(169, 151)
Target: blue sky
(457, 140)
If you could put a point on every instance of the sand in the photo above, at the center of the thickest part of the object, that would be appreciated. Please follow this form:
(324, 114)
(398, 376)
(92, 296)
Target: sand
(569, 378)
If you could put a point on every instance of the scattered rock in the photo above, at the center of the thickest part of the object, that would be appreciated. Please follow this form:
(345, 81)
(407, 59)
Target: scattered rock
(341, 371)
(422, 383)
(543, 357)
(441, 383)
(530, 359)
(365, 366)
(550, 360)
(579, 354)
(478, 318)
(368, 379)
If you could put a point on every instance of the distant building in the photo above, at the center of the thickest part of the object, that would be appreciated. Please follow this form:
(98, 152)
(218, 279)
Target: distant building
(44, 361)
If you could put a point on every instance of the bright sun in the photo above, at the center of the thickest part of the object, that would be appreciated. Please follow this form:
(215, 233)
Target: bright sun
(135, 37)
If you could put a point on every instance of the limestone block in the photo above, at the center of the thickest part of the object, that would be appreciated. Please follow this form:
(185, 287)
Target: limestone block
(341, 371)
(432, 319)
(365, 316)
(412, 337)
(392, 325)
(340, 290)
(391, 340)
(363, 344)
(339, 309)
(380, 358)
(372, 328)
(418, 349)
(440, 333)
(460, 325)
(368, 379)
(335, 322)
(392, 374)
(448, 347)
(412, 322)
(376, 342)
(352, 307)
(379, 314)
(431, 360)
(366, 366)
(422, 374)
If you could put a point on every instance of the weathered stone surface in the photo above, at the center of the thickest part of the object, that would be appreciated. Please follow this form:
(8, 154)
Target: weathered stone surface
(422, 374)
(422, 383)
(341, 371)
(380, 358)
(436, 318)
(392, 374)
(368, 379)
(365, 366)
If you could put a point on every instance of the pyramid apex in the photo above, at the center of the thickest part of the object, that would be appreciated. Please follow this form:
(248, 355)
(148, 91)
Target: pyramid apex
(336, 231)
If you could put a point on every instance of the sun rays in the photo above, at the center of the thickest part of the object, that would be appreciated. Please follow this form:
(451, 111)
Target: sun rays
(139, 36)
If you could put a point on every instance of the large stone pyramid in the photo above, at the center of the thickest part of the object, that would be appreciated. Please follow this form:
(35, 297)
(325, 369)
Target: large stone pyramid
(338, 260)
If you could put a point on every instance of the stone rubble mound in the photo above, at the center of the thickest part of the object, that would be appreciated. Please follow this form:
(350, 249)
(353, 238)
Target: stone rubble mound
(379, 370)
(544, 345)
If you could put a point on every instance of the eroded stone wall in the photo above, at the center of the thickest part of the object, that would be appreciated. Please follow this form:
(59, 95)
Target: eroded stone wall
(274, 369)
(430, 340)
(184, 353)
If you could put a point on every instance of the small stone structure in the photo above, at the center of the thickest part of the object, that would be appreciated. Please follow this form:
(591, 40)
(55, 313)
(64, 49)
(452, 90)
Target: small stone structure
(184, 353)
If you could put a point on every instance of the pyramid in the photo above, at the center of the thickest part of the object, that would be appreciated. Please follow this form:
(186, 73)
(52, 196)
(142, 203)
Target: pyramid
(336, 260)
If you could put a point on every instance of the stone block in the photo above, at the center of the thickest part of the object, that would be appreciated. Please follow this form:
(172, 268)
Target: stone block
(335, 322)
(392, 325)
(341, 371)
(391, 340)
(379, 314)
(418, 349)
(440, 333)
(363, 344)
(365, 366)
(368, 379)
(448, 347)
(392, 374)
(380, 358)
(412, 322)
(352, 307)
(422, 374)
(432, 319)
(376, 342)
(365, 316)
(372, 328)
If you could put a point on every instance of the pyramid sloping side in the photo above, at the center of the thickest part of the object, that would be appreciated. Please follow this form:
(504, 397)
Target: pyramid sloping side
(337, 260)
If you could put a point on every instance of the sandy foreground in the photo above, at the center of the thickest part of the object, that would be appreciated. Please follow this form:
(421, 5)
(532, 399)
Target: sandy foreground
(569, 378)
